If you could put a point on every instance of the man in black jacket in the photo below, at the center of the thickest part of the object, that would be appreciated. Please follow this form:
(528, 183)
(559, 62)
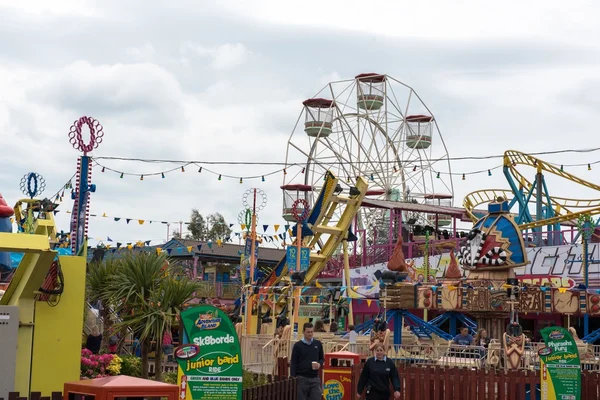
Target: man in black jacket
(307, 360)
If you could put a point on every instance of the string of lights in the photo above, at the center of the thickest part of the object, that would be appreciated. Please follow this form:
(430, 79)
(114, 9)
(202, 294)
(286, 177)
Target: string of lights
(415, 164)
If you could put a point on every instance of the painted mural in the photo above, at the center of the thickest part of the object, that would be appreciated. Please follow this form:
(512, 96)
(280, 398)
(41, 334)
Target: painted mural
(560, 266)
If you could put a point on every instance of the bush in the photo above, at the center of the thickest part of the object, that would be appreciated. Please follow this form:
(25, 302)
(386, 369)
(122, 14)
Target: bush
(131, 366)
(170, 377)
(251, 379)
(99, 365)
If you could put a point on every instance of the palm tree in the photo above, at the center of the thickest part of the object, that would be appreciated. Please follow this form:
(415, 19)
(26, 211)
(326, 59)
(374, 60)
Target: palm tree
(97, 284)
(149, 294)
(166, 302)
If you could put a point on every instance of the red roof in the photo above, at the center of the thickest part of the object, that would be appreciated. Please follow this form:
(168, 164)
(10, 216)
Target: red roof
(318, 103)
(370, 77)
(419, 118)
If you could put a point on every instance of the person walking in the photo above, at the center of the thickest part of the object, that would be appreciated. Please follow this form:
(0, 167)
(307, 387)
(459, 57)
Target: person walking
(376, 376)
(307, 360)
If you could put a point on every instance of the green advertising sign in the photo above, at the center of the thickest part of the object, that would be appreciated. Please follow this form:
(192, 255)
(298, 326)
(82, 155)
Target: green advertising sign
(210, 363)
(560, 369)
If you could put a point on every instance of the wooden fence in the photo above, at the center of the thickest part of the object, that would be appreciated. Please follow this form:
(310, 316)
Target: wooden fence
(439, 383)
(276, 388)
(34, 396)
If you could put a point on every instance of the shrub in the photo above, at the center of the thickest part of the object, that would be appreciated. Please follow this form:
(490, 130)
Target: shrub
(251, 379)
(99, 365)
(170, 377)
(131, 366)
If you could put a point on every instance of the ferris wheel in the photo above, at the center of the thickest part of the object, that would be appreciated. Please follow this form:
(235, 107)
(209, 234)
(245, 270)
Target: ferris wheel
(376, 127)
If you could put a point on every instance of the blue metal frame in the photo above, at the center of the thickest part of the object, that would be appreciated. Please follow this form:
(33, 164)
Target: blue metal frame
(455, 319)
(592, 337)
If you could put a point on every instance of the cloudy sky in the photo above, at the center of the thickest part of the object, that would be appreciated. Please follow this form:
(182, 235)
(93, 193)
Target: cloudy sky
(224, 81)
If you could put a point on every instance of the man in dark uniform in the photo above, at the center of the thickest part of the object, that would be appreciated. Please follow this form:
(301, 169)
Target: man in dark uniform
(307, 360)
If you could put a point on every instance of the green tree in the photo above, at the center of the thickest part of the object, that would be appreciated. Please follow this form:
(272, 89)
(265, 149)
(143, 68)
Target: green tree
(197, 227)
(99, 275)
(149, 294)
(176, 234)
(219, 229)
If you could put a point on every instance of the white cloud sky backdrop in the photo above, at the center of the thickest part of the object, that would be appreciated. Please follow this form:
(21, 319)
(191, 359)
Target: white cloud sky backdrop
(224, 81)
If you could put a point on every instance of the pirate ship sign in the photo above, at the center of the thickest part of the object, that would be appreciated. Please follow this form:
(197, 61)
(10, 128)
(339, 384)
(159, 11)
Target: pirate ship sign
(495, 242)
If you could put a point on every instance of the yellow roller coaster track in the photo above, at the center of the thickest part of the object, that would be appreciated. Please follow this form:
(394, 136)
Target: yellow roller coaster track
(336, 233)
(562, 206)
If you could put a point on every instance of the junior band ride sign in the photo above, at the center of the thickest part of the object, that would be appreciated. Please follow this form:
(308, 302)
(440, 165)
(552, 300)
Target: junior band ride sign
(210, 363)
(560, 368)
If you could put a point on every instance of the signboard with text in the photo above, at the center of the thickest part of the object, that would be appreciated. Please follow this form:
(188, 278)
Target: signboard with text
(291, 258)
(210, 361)
(560, 368)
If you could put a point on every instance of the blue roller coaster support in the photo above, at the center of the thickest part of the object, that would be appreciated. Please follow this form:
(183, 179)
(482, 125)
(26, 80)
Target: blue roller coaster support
(455, 319)
(592, 337)
(418, 326)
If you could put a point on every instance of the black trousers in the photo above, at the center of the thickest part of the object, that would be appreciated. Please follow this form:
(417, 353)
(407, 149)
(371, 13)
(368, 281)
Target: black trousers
(375, 395)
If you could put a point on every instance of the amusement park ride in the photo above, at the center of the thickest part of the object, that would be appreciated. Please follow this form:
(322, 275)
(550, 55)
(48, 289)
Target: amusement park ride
(390, 146)
(41, 338)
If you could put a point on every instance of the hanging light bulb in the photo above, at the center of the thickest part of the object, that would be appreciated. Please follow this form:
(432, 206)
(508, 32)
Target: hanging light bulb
(415, 168)
(303, 169)
(489, 172)
(284, 171)
(241, 180)
(142, 178)
(348, 180)
(121, 175)
(463, 177)
(395, 169)
(162, 175)
(589, 167)
(219, 176)
(438, 175)
(182, 169)
(371, 176)
(200, 170)
(535, 163)
(263, 178)
(561, 167)
(103, 168)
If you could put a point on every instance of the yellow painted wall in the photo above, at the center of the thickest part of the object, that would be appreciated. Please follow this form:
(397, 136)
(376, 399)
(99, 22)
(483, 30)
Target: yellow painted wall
(57, 337)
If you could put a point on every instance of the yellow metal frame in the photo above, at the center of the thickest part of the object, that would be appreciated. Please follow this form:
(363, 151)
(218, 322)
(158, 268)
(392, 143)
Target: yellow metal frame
(562, 205)
(49, 338)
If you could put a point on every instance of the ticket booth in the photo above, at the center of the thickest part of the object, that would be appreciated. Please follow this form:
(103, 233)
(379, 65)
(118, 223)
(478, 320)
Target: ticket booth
(339, 382)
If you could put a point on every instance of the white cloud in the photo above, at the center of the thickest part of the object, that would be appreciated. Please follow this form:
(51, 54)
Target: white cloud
(223, 57)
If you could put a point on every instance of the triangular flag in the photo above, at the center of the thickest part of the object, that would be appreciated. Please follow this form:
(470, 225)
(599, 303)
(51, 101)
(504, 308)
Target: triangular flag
(129, 247)
(219, 242)
(265, 227)
(317, 284)
(116, 218)
(243, 227)
(287, 227)
(199, 247)
(141, 221)
(104, 215)
(169, 251)
(209, 245)
(127, 219)
(12, 220)
(231, 225)
(276, 227)
(147, 242)
(189, 248)
(314, 299)
(108, 239)
(158, 250)
(369, 303)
